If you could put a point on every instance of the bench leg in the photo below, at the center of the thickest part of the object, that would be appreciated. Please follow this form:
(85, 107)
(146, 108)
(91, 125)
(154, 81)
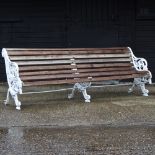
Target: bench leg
(7, 97)
(73, 92)
(85, 95)
(140, 83)
(82, 88)
(132, 87)
(144, 90)
(17, 102)
(15, 97)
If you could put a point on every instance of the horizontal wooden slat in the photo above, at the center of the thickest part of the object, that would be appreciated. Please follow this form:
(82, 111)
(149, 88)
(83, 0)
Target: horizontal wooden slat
(36, 53)
(48, 62)
(67, 71)
(122, 49)
(69, 76)
(51, 67)
(33, 52)
(53, 57)
(64, 49)
(39, 83)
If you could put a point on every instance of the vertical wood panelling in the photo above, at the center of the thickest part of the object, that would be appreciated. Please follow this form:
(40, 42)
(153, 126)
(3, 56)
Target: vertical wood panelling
(145, 42)
(79, 23)
(92, 24)
(126, 24)
(145, 32)
(32, 24)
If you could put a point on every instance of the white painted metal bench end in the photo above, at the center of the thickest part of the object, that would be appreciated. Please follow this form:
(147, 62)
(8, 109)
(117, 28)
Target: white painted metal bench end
(13, 79)
(141, 64)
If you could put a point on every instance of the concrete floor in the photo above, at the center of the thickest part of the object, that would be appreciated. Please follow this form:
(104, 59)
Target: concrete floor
(115, 122)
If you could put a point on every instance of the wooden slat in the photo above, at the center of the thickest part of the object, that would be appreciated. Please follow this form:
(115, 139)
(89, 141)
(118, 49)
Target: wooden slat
(53, 57)
(39, 83)
(45, 67)
(64, 49)
(51, 67)
(37, 52)
(103, 60)
(63, 71)
(69, 76)
(48, 62)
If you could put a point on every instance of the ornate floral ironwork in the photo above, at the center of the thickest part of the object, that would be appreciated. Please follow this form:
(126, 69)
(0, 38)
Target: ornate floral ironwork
(13, 79)
(140, 64)
(82, 88)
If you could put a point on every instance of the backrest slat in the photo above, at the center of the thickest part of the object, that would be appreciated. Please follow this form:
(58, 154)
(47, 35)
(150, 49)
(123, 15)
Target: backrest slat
(93, 65)
(67, 71)
(76, 61)
(59, 57)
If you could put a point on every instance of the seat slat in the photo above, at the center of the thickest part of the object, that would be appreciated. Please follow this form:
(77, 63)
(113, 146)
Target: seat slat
(71, 81)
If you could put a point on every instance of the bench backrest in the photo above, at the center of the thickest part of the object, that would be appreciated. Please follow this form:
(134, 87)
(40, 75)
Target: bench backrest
(71, 65)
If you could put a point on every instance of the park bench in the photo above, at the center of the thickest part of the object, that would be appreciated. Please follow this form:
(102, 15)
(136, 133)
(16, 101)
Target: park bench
(78, 66)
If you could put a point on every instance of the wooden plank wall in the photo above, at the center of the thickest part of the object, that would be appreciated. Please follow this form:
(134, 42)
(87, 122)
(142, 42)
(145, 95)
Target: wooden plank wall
(77, 23)
(31, 24)
(145, 42)
(145, 32)
(92, 23)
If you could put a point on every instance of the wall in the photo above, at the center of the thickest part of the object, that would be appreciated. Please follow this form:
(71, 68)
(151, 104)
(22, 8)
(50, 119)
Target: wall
(78, 23)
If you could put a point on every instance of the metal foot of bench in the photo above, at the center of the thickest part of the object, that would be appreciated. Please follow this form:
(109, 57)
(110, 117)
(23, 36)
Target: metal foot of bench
(17, 102)
(140, 83)
(7, 98)
(82, 88)
(15, 97)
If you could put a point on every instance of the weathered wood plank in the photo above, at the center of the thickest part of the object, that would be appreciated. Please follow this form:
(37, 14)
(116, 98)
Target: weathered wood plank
(55, 67)
(66, 51)
(67, 71)
(103, 60)
(53, 57)
(67, 81)
(45, 67)
(36, 53)
(69, 76)
(48, 62)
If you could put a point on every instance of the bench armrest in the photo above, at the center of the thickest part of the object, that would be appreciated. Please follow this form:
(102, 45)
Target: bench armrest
(140, 64)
